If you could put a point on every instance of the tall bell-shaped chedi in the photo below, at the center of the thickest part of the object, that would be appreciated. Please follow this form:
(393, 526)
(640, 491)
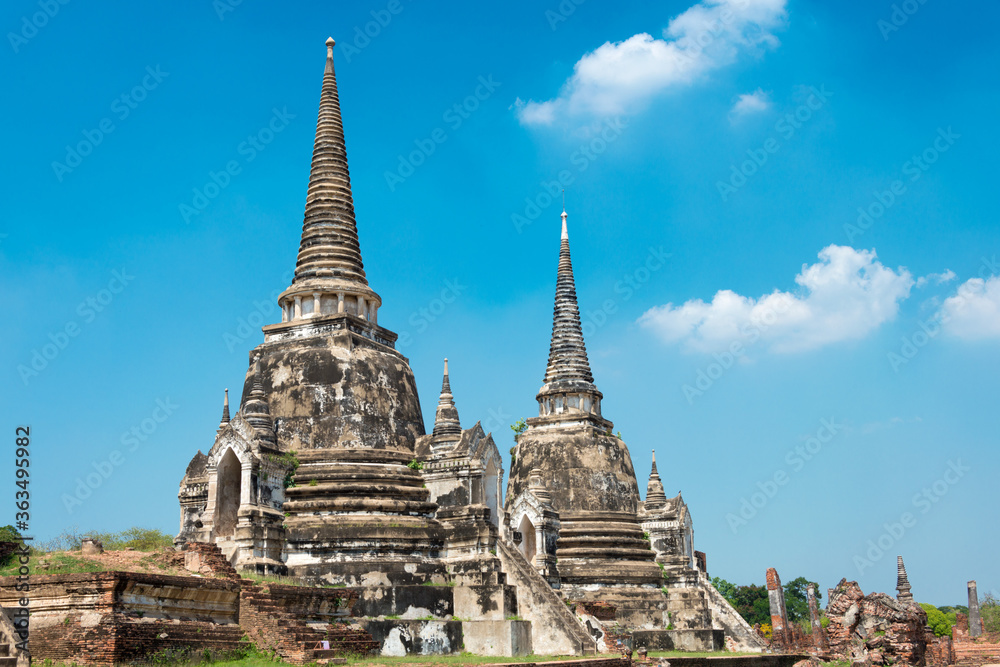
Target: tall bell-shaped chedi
(585, 469)
(342, 398)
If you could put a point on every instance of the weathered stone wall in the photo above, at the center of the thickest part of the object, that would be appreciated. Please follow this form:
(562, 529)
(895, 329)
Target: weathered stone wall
(107, 617)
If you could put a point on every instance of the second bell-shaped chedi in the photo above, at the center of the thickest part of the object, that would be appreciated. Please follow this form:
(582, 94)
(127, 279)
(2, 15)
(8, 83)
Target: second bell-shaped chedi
(586, 469)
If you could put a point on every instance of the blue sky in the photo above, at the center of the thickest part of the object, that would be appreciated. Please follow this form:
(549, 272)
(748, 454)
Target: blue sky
(735, 308)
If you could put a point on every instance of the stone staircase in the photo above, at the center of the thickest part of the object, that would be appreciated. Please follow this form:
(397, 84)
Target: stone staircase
(6, 657)
(271, 626)
(555, 629)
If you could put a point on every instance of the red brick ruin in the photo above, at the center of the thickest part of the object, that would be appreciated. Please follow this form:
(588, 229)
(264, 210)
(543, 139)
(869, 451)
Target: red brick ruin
(876, 629)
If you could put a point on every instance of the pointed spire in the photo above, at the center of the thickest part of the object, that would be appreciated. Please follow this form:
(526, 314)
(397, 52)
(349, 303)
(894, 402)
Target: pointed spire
(567, 352)
(225, 411)
(255, 409)
(446, 421)
(330, 247)
(902, 582)
(655, 497)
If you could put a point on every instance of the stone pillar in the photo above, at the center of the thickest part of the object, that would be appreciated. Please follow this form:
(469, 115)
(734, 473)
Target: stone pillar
(819, 637)
(779, 616)
(340, 302)
(361, 307)
(298, 307)
(975, 621)
(316, 304)
(284, 312)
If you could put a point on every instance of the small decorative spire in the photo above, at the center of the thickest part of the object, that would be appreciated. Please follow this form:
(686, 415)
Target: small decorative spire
(446, 421)
(655, 496)
(902, 582)
(225, 411)
(255, 409)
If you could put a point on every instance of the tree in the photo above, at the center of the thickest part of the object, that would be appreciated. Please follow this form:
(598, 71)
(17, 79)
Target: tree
(937, 620)
(796, 600)
(989, 609)
(726, 589)
(751, 603)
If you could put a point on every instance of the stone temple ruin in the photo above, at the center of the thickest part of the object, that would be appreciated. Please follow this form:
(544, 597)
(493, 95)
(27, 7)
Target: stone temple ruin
(326, 474)
(399, 541)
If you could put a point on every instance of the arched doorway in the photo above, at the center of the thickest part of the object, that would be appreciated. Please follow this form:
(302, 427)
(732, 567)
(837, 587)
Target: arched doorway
(227, 500)
(527, 547)
(490, 492)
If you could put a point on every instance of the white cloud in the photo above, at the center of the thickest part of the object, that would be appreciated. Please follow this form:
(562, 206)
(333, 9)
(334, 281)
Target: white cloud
(750, 103)
(618, 76)
(973, 313)
(845, 296)
(936, 278)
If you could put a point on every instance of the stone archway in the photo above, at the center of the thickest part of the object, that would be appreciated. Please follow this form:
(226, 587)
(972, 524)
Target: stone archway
(227, 501)
(528, 547)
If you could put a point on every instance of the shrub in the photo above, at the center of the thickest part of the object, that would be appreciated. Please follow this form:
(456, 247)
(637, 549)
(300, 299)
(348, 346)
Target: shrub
(937, 620)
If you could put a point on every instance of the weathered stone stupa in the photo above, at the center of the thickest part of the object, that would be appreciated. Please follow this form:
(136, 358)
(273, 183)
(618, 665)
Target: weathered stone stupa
(343, 398)
(585, 468)
(326, 474)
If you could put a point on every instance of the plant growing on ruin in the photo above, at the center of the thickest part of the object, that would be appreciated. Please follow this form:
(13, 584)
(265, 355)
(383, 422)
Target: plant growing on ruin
(313, 482)
(415, 465)
(518, 427)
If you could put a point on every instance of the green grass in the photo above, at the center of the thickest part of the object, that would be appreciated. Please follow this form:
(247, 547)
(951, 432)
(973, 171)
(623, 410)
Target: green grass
(461, 659)
(59, 563)
(695, 654)
(284, 581)
(448, 660)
